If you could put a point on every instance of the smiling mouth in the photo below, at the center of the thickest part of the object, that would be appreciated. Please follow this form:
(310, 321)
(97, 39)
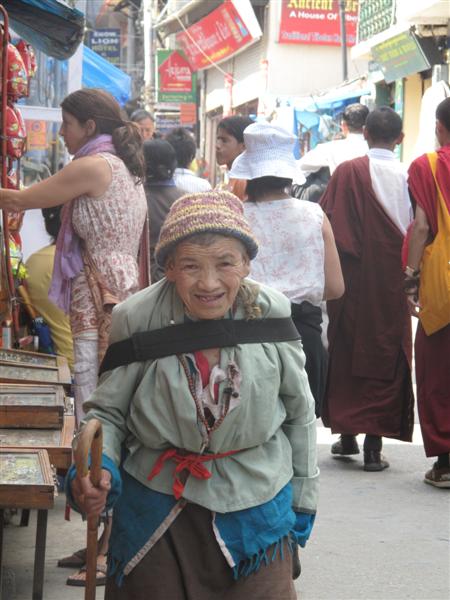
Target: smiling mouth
(209, 299)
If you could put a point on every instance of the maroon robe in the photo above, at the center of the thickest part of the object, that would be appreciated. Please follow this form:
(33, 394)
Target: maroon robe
(369, 387)
(432, 351)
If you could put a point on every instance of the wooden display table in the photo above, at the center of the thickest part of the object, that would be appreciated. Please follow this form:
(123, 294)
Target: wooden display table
(26, 482)
(58, 443)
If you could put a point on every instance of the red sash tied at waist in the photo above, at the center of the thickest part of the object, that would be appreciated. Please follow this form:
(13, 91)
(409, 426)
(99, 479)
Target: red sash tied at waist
(191, 462)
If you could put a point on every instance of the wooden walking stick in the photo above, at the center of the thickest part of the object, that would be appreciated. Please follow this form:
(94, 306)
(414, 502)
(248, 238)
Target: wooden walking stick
(90, 439)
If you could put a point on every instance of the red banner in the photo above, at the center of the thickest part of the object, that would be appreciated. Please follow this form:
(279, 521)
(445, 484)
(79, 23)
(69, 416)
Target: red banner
(216, 37)
(317, 22)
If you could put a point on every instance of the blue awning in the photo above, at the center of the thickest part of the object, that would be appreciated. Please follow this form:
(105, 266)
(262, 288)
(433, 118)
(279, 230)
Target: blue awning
(48, 25)
(305, 120)
(338, 99)
(100, 73)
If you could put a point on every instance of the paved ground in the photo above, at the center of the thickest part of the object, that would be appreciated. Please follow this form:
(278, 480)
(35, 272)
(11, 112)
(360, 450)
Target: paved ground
(378, 536)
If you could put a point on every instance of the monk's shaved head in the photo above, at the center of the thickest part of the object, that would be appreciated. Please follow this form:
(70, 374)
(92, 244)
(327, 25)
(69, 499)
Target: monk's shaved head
(384, 125)
(443, 113)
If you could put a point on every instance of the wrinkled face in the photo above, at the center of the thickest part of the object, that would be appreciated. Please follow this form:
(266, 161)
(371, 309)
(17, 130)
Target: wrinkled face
(147, 127)
(227, 148)
(207, 278)
(74, 133)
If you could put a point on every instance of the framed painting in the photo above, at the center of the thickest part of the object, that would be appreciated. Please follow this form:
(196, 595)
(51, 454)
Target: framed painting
(26, 479)
(33, 367)
(58, 443)
(32, 406)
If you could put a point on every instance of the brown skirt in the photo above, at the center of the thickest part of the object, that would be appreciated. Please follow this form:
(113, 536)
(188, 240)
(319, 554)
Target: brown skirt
(187, 564)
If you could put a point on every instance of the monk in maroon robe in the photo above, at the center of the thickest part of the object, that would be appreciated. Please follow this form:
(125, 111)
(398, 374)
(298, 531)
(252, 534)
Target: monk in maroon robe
(432, 351)
(369, 386)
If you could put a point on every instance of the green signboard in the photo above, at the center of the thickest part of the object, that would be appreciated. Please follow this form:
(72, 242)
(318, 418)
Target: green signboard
(176, 82)
(400, 56)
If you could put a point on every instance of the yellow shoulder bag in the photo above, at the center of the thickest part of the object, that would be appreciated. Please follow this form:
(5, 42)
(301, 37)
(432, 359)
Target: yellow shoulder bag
(434, 291)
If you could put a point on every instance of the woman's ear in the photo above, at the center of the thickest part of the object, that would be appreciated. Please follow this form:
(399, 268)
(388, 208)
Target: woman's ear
(91, 127)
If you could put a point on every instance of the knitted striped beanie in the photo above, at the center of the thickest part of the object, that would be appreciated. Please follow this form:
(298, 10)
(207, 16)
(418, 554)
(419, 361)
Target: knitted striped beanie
(205, 212)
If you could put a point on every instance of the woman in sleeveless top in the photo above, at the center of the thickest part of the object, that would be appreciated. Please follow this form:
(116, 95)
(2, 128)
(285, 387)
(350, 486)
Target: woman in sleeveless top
(105, 210)
(102, 223)
(298, 254)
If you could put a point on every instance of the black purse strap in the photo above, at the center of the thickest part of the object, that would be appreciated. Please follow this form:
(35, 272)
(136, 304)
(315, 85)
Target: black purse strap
(193, 336)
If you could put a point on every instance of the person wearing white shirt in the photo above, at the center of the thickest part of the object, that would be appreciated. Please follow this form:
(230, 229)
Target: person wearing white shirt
(331, 154)
(184, 145)
(389, 182)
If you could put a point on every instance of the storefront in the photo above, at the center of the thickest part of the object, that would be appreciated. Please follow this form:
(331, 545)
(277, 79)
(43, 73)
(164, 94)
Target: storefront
(36, 421)
(407, 57)
(265, 65)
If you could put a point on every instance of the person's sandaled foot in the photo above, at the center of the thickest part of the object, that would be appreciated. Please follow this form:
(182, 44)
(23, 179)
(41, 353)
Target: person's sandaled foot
(79, 578)
(74, 561)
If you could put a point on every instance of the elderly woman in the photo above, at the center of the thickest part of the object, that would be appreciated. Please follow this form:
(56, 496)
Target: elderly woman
(210, 448)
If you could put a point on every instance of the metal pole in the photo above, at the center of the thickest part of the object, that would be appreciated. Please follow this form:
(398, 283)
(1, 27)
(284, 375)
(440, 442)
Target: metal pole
(343, 40)
(148, 53)
(131, 47)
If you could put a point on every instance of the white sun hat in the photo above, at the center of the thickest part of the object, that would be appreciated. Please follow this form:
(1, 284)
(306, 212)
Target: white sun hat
(268, 152)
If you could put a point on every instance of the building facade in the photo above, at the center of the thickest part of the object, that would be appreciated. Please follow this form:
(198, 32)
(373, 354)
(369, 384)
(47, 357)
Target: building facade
(254, 78)
(405, 42)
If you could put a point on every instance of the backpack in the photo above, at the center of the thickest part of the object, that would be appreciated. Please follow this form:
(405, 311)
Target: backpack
(314, 186)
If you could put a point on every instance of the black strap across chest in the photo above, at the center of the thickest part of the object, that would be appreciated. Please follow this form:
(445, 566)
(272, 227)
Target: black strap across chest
(193, 336)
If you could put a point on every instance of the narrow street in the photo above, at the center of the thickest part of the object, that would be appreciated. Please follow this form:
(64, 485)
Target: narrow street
(378, 536)
(224, 214)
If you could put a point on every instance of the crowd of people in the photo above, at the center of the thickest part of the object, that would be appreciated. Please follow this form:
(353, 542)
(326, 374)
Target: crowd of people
(209, 455)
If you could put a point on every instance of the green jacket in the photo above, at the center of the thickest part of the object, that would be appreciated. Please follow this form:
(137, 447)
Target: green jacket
(148, 407)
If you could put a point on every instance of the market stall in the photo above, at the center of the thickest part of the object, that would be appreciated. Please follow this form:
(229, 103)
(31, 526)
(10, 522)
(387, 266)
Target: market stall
(36, 413)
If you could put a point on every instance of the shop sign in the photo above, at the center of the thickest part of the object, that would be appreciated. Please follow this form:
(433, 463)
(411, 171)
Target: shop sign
(188, 114)
(400, 56)
(317, 22)
(226, 30)
(36, 135)
(176, 81)
(105, 42)
(166, 121)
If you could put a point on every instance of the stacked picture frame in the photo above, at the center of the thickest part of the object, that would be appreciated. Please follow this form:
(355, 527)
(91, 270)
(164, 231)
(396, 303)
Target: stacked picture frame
(34, 410)
(36, 432)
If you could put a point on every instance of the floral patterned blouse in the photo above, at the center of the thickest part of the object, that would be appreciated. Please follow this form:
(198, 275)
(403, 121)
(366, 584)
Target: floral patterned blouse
(291, 251)
(110, 227)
